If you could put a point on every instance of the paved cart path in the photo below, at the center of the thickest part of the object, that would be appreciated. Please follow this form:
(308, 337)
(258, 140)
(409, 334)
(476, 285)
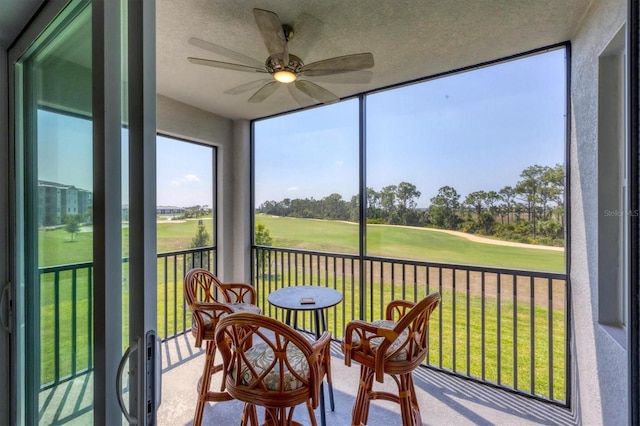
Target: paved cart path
(479, 239)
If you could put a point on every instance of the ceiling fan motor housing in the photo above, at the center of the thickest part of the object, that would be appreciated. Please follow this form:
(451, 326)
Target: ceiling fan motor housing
(275, 63)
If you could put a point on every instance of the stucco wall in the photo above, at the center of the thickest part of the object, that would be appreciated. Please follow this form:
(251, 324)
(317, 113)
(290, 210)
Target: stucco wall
(242, 201)
(184, 121)
(600, 366)
(181, 120)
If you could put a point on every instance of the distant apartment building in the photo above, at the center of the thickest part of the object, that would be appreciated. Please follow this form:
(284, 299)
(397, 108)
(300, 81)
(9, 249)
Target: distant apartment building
(166, 210)
(56, 200)
(160, 210)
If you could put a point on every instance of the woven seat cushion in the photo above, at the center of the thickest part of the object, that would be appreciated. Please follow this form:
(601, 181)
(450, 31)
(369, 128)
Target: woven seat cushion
(260, 356)
(375, 342)
(236, 307)
(245, 307)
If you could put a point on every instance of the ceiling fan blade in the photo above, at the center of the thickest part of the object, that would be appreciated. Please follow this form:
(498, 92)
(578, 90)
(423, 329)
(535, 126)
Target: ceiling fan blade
(226, 65)
(246, 87)
(339, 64)
(238, 57)
(299, 96)
(271, 31)
(349, 77)
(307, 30)
(264, 92)
(316, 92)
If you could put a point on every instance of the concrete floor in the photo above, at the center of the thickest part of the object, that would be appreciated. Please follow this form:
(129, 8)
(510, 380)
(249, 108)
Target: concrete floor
(444, 399)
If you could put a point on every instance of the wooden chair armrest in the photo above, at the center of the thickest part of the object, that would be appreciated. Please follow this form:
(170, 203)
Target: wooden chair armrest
(203, 311)
(214, 311)
(216, 308)
(321, 349)
(323, 342)
(355, 326)
(238, 293)
(365, 332)
(396, 309)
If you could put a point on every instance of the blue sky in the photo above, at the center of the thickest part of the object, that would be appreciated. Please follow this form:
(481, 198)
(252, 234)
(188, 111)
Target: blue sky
(65, 150)
(474, 131)
(184, 173)
(310, 154)
(184, 170)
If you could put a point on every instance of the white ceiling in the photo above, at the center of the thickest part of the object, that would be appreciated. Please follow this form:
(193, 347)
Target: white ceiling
(409, 39)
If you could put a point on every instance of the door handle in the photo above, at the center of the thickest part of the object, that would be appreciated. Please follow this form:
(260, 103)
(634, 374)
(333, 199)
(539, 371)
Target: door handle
(123, 361)
(158, 372)
(149, 368)
(8, 325)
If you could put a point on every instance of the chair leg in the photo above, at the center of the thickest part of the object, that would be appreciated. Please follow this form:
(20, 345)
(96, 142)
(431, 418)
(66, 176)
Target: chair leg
(361, 406)
(312, 414)
(205, 380)
(275, 416)
(249, 415)
(414, 401)
(204, 383)
(329, 381)
(409, 407)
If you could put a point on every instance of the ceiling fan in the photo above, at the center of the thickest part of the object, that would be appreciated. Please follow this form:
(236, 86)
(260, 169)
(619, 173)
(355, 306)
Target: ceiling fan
(286, 68)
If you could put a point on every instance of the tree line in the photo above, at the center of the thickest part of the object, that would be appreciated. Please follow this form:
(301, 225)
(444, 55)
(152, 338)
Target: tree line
(532, 210)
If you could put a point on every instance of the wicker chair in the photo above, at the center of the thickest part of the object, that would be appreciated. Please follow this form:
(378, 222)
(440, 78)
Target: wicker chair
(209, 300)
(279, 371)
(395, 346)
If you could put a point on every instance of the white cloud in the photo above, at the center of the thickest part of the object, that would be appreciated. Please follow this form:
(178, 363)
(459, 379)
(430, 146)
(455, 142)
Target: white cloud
(185, 179)
(339, 163)
(292, 188)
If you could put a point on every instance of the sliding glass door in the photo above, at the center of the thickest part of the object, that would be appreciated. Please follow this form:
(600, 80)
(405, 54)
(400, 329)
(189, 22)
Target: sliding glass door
(54, 221)
(84, 278)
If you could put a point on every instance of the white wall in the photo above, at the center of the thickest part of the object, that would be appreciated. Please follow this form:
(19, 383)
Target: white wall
(242, 210)
(233, 144)
(600, 364)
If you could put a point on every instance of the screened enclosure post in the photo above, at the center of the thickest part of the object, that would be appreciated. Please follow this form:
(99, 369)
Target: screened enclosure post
(633, 65)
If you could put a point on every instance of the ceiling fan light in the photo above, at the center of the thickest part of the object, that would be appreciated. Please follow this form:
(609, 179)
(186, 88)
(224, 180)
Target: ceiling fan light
(284, 76)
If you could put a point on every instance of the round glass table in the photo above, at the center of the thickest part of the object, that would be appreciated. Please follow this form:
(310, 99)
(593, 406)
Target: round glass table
(306, 298)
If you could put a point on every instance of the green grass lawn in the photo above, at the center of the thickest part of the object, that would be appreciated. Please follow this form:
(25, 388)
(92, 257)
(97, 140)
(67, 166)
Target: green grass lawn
(56, 247)
(454, 336)
(341, 237)
(405, 243)
(325, 235)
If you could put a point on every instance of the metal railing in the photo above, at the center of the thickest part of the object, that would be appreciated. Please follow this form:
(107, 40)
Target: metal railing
(174, 317)
(506, 328)
(66, 322)
(66, 311)
(502, 327)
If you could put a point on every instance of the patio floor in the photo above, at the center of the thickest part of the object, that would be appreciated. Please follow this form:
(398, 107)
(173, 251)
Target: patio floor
(444, 399)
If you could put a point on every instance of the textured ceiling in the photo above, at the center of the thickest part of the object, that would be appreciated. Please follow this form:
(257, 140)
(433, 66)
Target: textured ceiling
(409, 39)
